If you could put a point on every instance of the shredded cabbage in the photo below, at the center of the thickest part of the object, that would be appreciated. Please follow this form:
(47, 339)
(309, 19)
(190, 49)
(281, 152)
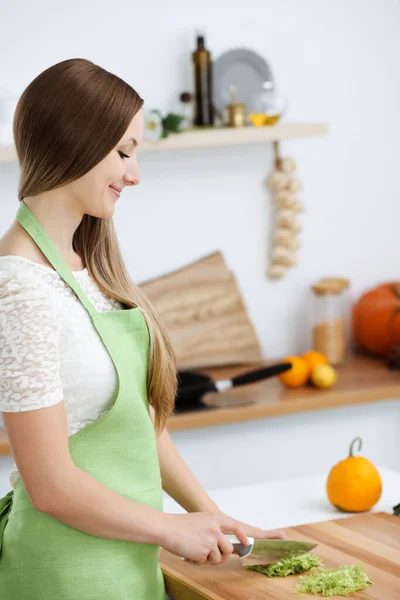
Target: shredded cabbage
(342, 581)
(334, 582)
(288, 566)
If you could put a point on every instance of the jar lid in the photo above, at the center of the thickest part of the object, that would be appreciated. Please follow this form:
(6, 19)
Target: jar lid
(327, 288)
(336, 280)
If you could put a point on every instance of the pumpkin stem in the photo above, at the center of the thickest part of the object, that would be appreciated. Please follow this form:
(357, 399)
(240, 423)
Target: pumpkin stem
(352, 444)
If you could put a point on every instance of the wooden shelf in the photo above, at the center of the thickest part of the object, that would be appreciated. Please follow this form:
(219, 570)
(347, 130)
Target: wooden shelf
(8, 154)
(361, 381)
(216, 137)
(228, 136)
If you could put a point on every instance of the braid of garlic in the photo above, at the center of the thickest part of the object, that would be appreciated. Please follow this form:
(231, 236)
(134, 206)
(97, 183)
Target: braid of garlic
(284, 186)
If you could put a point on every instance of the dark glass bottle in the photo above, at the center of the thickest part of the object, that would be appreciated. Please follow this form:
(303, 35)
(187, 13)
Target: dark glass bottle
(203, 106)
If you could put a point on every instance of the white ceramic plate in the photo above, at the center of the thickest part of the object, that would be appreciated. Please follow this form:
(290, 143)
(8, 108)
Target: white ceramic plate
(243, 69)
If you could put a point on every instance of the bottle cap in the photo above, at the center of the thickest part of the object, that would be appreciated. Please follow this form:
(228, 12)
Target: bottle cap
(200, 38)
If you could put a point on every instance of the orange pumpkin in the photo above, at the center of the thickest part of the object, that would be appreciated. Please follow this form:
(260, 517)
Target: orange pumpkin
(376, 319)
(354, 484)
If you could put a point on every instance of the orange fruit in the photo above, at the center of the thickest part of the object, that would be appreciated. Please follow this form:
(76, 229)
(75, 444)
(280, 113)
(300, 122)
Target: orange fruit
(297, 375)
(314, 359)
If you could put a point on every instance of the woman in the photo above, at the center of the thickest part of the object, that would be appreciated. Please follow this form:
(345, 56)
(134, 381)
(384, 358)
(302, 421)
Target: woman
(87, 374)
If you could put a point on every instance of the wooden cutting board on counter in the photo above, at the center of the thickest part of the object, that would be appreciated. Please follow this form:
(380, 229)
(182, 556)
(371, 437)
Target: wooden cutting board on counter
(372, 538)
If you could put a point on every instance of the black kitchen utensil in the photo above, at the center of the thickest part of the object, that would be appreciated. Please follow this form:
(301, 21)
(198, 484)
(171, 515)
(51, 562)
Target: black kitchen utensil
(192, 386)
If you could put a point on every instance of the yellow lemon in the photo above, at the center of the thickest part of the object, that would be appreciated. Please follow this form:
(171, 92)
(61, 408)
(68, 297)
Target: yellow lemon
(323, 376)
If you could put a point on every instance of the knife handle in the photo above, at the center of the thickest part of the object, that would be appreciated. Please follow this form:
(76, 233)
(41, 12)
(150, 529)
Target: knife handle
(260, 374)
(238, 548)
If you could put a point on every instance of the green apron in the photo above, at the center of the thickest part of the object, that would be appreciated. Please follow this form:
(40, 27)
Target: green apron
(42, 558)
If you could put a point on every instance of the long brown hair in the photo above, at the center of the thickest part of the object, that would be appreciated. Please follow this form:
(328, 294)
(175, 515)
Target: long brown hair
(66, 121)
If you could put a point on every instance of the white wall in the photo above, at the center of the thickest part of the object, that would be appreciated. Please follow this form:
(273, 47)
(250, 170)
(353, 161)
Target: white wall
(337, 61)
(292, 445)
(282, 447)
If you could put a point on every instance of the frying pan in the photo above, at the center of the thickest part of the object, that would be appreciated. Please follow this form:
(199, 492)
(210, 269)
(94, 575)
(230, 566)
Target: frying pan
(192, 386)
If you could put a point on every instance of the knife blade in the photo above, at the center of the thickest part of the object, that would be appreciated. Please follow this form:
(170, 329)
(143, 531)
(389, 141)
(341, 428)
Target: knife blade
(262, 552)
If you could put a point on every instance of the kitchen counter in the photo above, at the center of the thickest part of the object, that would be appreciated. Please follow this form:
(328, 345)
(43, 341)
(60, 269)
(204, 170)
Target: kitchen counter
(372, 539)
(362, 380)
(289, 502)
(301, 504)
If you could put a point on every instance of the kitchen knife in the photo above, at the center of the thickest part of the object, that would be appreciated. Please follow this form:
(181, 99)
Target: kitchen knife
(262, 552)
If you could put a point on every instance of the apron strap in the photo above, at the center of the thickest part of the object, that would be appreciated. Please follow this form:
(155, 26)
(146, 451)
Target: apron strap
(29, 222)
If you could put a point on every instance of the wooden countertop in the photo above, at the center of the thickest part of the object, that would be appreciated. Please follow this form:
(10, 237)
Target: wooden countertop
(361, 380)
(370, 538)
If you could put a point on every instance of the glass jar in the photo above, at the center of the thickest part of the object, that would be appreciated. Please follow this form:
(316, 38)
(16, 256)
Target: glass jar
(267, 106)
(330, 319)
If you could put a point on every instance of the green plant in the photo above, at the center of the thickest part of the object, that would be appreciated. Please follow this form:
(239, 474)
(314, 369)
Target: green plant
(170, 123)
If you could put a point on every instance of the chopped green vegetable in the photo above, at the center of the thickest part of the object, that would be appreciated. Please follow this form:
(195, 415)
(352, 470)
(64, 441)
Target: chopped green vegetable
(334, 582)
(288, 566)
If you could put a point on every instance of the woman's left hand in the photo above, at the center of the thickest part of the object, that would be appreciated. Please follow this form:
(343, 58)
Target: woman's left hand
(259, 534)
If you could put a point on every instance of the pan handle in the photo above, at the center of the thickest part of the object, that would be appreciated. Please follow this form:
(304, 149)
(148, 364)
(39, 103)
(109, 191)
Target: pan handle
(259, 374)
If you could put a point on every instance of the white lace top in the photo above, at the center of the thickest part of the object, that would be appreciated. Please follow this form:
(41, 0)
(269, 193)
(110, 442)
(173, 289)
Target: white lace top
(49, 349)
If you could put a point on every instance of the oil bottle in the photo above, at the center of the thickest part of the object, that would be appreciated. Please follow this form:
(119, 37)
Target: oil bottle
(203, 105)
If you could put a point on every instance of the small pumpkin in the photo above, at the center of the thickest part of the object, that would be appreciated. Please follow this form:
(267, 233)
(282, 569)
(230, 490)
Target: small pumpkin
(354, 484)
(376, 319)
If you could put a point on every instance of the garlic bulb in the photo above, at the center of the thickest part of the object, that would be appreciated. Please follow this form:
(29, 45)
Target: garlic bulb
(293, 260)
(285, 217)
(280, 255)
(284, 199)
(297, 225)
(282, 237)
(278, 181)
(298, 206)
(277, 271)
(287, 165)
(294, 243)
(294, 185)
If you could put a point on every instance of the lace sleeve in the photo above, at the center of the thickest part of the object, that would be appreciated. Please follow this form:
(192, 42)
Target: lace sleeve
(29, 357)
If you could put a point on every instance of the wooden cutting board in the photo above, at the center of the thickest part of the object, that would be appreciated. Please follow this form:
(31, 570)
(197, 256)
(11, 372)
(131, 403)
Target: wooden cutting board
(373, 538)
(204, 313)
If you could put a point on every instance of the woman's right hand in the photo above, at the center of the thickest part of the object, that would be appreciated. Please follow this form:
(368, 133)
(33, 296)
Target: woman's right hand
(199, 537)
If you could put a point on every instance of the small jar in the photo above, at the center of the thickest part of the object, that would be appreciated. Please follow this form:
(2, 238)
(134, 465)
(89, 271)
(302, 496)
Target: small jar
(237, 115)
(330, 319)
